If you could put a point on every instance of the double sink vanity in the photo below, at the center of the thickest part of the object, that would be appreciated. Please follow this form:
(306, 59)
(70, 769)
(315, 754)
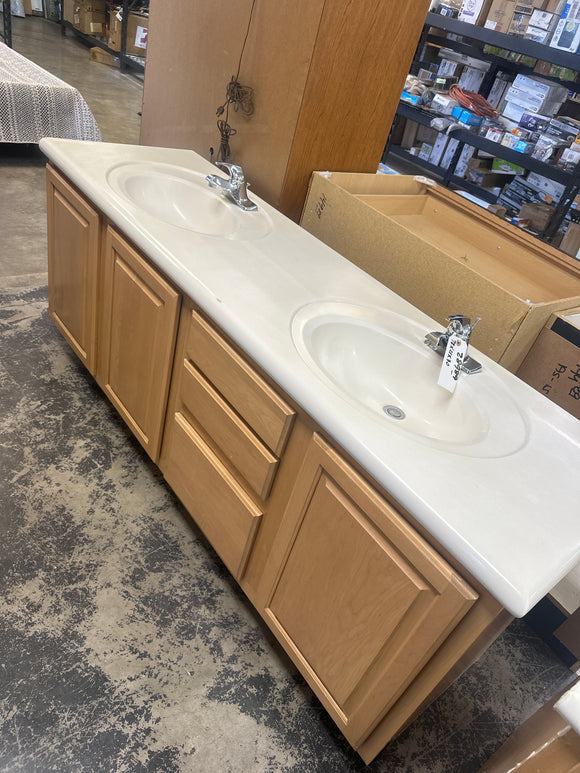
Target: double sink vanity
(385, 529)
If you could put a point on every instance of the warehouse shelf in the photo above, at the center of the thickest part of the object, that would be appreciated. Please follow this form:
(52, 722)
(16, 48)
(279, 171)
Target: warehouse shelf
(471, 35)
(502, 40)
(126, 61)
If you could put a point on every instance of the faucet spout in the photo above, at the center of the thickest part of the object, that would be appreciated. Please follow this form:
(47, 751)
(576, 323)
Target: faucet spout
(233, 187)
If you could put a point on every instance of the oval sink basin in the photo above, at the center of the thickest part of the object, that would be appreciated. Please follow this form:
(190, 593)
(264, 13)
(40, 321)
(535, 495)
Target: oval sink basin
(182, 198)
(377, 361)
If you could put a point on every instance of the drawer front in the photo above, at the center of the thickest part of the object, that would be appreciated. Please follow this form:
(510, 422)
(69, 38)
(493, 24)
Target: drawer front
(248, 394)
(230, 433)
(216, 501)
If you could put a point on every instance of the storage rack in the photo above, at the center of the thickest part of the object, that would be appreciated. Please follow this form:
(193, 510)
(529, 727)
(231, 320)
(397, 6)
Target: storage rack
(7, 23)
(126, 61)
(471, 35)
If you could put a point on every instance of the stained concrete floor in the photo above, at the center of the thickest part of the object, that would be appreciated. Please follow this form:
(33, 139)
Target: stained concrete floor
(292, 733)
(114, 99)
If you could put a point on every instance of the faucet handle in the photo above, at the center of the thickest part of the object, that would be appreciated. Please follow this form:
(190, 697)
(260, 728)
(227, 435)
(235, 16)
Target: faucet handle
(461, 325)
(235, 171)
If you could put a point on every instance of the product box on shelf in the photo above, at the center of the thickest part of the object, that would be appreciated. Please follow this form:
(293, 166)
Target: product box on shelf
(552, 366)
(441, 253)
(570, 244)
(500, 14)
(566, 36)
(550, 189)
(137, 30)
(449, 153)
(474, 10)
(89, 17)
(438, 148)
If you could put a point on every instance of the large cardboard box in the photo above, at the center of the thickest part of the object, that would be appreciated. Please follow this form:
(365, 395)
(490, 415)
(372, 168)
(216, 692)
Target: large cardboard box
(552, 365)
(89, 17)
(137, 30)
(500, 15)
(445, 255)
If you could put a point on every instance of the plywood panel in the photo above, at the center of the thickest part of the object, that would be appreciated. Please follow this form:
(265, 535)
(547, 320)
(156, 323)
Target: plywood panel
(193, 51)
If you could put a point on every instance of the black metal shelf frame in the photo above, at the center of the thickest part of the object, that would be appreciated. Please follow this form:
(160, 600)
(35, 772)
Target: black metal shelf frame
(7, 23)
(571, 181)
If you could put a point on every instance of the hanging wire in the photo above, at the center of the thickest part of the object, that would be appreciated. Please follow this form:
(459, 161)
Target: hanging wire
(240, 97)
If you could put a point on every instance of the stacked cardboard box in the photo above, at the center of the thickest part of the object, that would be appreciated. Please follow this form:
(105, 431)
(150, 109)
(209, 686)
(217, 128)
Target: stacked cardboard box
(89, 16)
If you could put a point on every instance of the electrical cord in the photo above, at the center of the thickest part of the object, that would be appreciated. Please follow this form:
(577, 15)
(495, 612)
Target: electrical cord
(240, 97)
(473, 101)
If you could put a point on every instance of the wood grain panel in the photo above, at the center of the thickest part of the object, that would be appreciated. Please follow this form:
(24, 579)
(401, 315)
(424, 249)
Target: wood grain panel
(139, 327)
(259, 405)
(216, 501)
(354, 594)
(236, 441)
(362, 56)
(73, 260)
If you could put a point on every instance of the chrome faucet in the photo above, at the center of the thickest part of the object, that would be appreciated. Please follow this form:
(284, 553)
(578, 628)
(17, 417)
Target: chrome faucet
(459, 326)
(233, 187)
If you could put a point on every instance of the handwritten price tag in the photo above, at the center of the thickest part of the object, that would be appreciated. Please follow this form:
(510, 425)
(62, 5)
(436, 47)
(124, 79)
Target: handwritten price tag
(455, 353)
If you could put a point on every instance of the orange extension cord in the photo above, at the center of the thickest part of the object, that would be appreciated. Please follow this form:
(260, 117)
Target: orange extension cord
(472, 101)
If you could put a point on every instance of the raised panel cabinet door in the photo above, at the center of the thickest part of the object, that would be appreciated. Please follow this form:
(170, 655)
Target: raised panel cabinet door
(354, 594)
(73, 263)
(138, 331)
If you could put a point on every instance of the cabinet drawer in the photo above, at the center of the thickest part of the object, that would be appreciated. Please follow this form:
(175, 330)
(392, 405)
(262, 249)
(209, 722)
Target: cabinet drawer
(237, 442)
(216, 501)
(248, 394)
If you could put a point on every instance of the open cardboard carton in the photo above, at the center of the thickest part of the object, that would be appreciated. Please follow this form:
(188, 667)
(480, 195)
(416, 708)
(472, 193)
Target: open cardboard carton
(552, 366)
(445, 255)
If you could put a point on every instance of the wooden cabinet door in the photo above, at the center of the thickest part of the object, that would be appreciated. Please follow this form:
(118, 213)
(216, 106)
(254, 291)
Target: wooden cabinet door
(138, 331)
(73, 263)
(358, 599)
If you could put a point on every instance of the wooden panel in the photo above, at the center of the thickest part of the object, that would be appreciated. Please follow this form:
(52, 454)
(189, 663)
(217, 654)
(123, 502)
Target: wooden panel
(236, 441)
(354, 594)
(73, 253)
(216, 501)
(182, 91)
(140, 313)
(264, 411)
(363, 53)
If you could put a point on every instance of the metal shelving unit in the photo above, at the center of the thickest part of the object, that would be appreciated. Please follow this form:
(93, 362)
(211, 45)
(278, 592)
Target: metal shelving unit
(472, 40)
(126, 61)
(6, 23)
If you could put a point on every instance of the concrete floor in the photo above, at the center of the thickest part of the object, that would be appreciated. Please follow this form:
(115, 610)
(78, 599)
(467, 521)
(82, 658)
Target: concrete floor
(115, 101)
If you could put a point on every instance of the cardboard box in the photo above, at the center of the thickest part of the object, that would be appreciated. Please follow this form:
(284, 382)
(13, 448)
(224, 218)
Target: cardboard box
(570, 244)
(27, 4)
(68, 10)
(552, 365)
(567, 34)
(103, 57)
(537, 213)
(443, 253)
(500, 15)
(472, 11)
(137, 31)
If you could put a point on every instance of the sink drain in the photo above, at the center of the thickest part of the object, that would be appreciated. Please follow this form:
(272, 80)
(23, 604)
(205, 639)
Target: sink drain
(394, 412)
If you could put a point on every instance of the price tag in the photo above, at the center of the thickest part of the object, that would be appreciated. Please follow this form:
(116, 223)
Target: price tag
(455, 353)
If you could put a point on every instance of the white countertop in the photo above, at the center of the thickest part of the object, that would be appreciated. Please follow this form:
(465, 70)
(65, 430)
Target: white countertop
(568, 706)
(512, 521)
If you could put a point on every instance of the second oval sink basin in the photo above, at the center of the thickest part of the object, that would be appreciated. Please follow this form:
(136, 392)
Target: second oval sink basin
(377, 361)
(182, 198)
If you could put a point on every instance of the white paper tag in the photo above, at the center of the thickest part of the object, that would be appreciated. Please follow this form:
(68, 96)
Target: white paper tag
(455, 353)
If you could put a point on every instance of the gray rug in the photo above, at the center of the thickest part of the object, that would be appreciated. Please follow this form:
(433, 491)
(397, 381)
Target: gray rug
(125, 645)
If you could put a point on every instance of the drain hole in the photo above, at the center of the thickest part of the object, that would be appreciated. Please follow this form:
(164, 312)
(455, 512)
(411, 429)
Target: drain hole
(394, 412)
